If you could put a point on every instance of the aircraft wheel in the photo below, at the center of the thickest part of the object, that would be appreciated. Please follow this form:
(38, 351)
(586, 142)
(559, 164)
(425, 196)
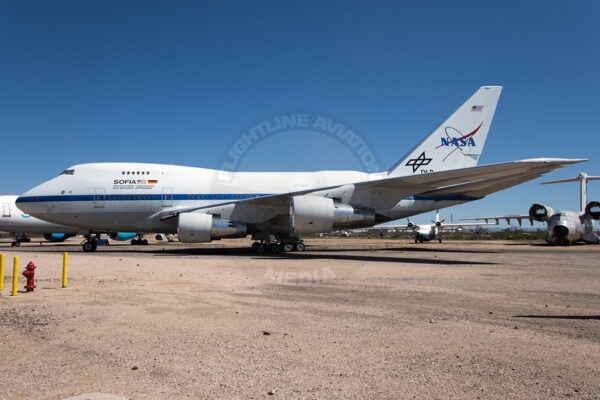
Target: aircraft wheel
(260, 248)
(134, 242)
(255, 245)
(144, 242)
(274, 248)
(89, 246)
(300, 246)
(288, 247)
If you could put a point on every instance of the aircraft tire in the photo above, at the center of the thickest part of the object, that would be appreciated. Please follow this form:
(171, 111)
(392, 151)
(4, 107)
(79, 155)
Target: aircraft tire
(288, 247)
(300, 246)
(89, 246)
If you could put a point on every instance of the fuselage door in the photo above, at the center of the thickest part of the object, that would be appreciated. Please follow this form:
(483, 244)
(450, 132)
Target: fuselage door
(6, 210)
(166, 199)
(99, 198)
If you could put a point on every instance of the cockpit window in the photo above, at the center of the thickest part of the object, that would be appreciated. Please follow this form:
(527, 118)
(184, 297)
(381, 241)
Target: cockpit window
(68, 172)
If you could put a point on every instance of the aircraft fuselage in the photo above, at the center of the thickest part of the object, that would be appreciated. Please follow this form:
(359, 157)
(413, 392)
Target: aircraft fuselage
(136, 196)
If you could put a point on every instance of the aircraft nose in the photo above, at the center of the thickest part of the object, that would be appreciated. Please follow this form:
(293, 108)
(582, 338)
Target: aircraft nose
(561, 231)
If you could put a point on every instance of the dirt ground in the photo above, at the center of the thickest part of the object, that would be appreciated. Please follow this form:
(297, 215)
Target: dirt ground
(345, 319)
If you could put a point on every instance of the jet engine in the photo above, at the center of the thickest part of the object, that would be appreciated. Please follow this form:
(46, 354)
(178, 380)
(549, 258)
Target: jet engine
(540, 212)
(57, 237)
(314, 214)
(201, 227)
(122, 236)
(592, 210)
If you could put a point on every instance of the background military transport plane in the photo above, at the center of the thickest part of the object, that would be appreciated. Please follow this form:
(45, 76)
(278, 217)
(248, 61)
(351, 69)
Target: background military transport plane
(564, 226)
(200, 205)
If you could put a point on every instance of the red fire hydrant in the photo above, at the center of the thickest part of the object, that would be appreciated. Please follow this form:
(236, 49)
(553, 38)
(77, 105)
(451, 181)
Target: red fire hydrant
(29, 273)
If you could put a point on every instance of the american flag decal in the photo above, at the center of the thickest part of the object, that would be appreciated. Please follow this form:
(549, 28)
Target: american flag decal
(476, 108)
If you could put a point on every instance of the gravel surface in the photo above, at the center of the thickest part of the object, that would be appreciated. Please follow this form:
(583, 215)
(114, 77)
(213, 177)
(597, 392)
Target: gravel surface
(345, 319)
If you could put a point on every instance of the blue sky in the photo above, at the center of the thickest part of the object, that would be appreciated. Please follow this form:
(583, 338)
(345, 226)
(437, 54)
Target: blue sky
(179, 82)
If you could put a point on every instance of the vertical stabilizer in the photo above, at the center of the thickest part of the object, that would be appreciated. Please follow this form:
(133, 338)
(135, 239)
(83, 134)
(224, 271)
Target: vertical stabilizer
(583, 179)
(457, 142)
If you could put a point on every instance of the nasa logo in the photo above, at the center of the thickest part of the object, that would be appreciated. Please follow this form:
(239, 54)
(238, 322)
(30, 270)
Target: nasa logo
(458, 142)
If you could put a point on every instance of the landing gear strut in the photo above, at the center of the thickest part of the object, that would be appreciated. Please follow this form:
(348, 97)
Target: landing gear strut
(20, 238)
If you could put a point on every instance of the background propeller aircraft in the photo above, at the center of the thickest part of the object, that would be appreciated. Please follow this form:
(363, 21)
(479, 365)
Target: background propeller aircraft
(200, 206)
(429, 232)
(565, 226)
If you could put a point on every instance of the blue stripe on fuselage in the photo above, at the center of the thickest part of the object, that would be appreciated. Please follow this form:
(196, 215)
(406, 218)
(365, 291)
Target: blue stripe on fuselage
(191, 196)
(138, 197)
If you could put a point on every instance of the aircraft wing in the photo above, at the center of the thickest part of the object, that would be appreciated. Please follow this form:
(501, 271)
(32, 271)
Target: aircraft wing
(442, 226)
(507, 218)
(382, 194)
(470, 183)
(467, 224)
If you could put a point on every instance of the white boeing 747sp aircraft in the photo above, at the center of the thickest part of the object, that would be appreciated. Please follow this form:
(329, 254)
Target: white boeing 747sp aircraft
(201, 205)
(564, 226)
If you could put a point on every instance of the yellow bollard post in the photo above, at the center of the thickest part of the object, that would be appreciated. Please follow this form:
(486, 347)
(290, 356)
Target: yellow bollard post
(65, 269)
(15, 281)
(1, 272)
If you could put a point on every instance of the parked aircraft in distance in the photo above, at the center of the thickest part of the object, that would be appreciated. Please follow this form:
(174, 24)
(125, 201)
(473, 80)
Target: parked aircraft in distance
(20, 225)
(201, 205)
(433, 231)
(565, 226)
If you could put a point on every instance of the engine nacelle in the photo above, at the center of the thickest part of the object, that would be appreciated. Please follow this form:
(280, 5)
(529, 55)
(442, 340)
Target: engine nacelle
(57, 237)
(314, 214)
(121, 236)
(540, 212)
(592, 210)
(200, 227)
(346, 216)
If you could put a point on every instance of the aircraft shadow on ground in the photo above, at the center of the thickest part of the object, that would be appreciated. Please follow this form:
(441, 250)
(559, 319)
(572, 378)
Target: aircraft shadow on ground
(344, 254)
(574, 317)
(318, 254)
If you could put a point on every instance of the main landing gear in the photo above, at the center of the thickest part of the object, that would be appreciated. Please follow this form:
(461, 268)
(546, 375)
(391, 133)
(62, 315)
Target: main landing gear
(20, 239)
(277, 244)
(89, 244)
(139, 242)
